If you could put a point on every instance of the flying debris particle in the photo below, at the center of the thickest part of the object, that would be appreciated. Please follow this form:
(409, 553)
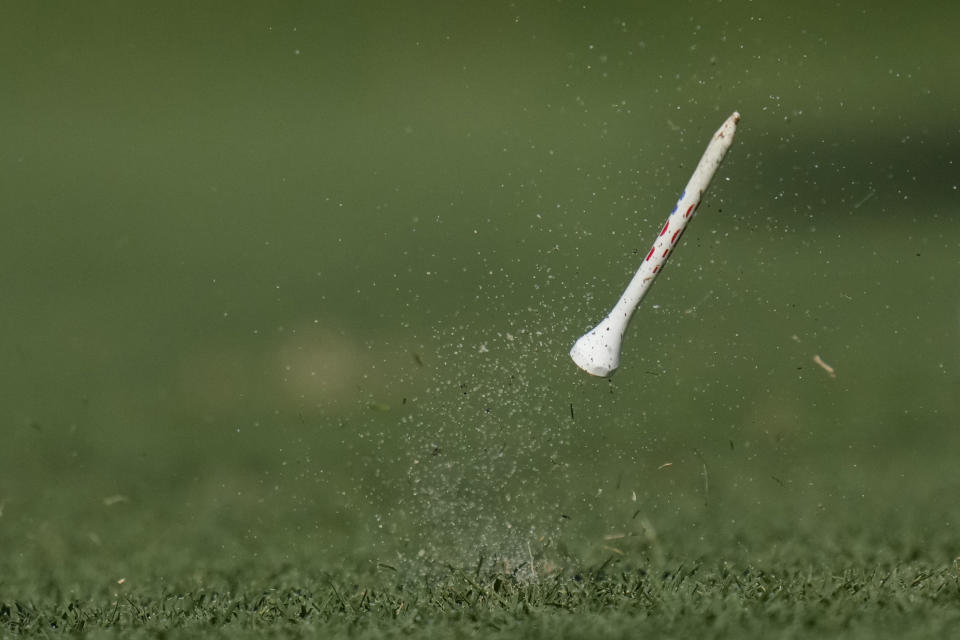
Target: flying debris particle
(863, 200)
(823, 365)
(706, 476)
(700, 302)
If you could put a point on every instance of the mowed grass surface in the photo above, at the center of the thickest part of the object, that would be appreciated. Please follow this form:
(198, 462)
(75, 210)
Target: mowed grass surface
(780, 571)
(698, 598)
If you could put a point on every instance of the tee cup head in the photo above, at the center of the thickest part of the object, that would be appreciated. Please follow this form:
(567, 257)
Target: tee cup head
(598, 351)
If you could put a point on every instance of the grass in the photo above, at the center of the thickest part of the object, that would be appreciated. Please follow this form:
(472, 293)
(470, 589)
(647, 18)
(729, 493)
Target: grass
(864, 573)
(614, 599)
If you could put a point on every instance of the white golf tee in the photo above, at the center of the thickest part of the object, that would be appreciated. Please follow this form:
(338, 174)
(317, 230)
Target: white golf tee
(598, 351)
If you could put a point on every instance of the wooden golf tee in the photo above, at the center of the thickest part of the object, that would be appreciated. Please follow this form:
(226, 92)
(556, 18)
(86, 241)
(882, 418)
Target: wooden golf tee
(598, 351)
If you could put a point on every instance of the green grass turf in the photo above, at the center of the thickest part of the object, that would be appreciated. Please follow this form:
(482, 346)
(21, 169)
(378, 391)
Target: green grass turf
(615, 599)
(767, 578)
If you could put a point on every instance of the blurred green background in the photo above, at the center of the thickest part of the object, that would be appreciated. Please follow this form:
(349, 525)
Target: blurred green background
(300, 279)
